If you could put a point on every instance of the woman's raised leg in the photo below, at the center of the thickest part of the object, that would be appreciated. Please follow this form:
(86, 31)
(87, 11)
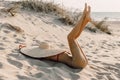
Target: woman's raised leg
(78, 57)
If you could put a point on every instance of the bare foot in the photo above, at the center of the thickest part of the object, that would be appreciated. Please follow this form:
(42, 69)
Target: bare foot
(88, 18)
(86, 13)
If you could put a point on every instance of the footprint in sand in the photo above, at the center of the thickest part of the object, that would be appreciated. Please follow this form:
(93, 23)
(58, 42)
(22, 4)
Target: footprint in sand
(1, 78)
(24, 37)
(103, 77)
(59, 77)
(103, 47)
(1, 48)
(15, 51)
(39, 75)
(44, 29)
(47, 40)
(106, 74)
(1, 44)
(96, 49)
(106, 51)
(20, 77)
(105, 56)
(117, 65)
(94, 52)
(96, 61)
(88, 56)
(17, 55)
(6, 31)
(55, 37)
(110, 77)
(54, 25)
(4, 38)
(114, 68)
(14, 35)
(92, 42)
(99, 77)
(93, 79)
(73, 76)
(118, 58)
(18, 41)
(89, 45)
(103, 73)
(15, 63)
(33, 23)
(1, 65)
(21, 40)
(118, 43)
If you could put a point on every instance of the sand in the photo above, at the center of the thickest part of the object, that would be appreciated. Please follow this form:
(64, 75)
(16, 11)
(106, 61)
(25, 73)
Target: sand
(101, 49)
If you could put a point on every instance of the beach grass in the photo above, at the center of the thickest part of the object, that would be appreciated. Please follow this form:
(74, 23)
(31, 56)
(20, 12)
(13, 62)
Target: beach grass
(65, 16)
(102, 25)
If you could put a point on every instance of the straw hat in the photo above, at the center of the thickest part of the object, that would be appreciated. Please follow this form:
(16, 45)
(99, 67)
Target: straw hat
(41, 51)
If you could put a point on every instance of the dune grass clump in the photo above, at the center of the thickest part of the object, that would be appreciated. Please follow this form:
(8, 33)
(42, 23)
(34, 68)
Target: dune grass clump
(70, 19)
(102, 26)
(66, 17)
(41, 6)
(10, 8)
(49, 7)
(91, 28)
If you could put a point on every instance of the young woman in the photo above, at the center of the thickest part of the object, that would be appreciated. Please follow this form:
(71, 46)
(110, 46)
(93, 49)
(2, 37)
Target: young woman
(78, 58)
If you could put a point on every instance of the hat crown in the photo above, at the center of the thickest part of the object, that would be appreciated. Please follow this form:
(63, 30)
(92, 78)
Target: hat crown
(44, 45)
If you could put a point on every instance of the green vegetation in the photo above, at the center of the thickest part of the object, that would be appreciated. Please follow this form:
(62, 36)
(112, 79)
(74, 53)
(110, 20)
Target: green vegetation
(66, 17)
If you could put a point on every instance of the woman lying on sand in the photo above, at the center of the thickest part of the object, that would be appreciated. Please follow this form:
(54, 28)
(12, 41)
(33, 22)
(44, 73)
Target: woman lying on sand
(78, 58)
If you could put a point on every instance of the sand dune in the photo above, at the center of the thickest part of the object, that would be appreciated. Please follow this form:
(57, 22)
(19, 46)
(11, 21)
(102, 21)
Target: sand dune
(30, 28)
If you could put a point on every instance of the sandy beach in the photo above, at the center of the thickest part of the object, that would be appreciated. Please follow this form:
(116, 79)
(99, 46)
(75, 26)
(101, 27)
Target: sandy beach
(30, 28)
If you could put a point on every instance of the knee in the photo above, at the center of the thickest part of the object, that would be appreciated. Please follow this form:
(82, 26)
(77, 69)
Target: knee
(82, 64)
(70, 38)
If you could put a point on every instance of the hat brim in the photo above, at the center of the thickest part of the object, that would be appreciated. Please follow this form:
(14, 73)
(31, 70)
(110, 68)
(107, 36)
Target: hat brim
(37, 52)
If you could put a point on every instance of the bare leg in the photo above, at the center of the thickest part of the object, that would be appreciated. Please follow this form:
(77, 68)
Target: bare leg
(78, 57)
(76, 31)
